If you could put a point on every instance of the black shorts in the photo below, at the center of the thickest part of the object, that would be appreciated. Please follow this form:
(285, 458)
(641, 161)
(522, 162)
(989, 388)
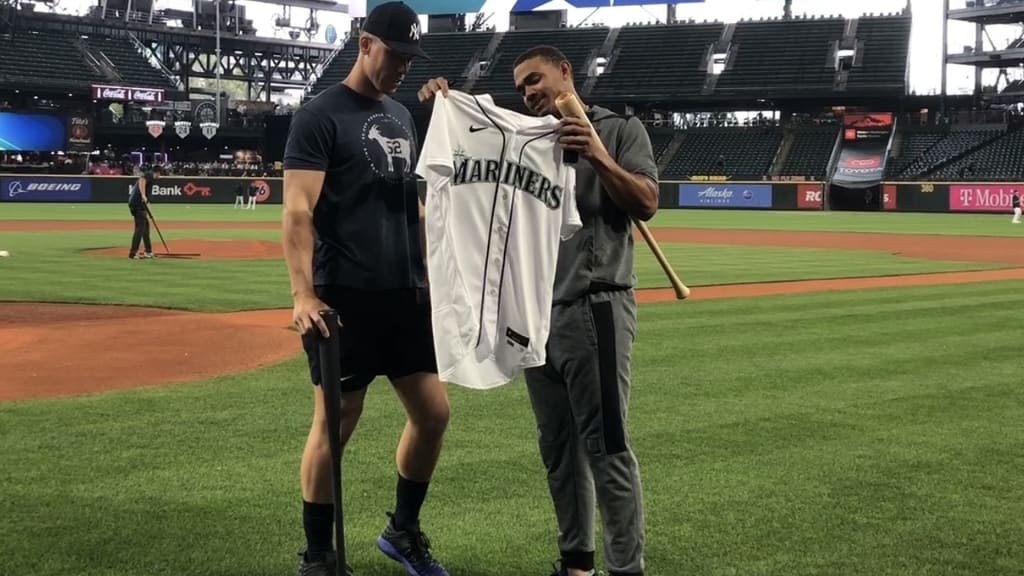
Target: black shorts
(384, 333)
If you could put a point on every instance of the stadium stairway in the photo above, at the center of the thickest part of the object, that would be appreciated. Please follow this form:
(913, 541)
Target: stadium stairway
(99, 63)
(788, 137)
(670, 151)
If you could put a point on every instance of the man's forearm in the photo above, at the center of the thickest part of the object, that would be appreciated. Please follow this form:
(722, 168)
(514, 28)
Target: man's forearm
(634, 193)
(298, 251)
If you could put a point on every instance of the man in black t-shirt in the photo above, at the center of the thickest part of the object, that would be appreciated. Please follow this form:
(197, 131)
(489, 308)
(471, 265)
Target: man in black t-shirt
(353, 242)
(137, 201)
(1015, 200)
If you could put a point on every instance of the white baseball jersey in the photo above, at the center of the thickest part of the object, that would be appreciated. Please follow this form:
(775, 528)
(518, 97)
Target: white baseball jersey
(499, 201)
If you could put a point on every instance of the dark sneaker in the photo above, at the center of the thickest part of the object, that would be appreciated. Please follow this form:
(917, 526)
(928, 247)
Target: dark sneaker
(324, 566)
(410, 548)
(563, 571)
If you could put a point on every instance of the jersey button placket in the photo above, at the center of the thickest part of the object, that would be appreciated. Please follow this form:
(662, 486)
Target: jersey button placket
(499, 234)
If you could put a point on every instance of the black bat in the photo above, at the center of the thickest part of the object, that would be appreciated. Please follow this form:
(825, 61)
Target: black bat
(330, 379)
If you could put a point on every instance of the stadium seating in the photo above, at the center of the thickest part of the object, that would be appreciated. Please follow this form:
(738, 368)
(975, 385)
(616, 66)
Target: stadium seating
(338, 68)
(1002, 159)
(886, 47)
(578, 44)
(450, 56)
(734, 152)
(915, 142)
(782, 55)
(676, 52)
(129, 63)
(811, 151)
(953, 144)
(46, 58)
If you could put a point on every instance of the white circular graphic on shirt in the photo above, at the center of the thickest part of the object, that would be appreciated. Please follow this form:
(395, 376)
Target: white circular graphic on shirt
(387, 145)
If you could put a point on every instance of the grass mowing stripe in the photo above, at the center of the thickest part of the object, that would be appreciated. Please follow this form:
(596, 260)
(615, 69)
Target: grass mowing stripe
(820, 221)
(162, 212)
(707, 264)
(862, 433)
(876, 222)
(51, 267)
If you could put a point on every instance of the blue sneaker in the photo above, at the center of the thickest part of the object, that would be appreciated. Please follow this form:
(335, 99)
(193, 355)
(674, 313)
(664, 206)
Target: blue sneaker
(410, 548)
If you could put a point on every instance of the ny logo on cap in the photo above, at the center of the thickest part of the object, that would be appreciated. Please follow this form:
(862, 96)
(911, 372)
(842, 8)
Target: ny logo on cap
(414, 31)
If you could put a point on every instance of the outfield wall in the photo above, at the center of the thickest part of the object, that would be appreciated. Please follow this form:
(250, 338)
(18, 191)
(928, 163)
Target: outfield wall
(990, 197)
(167, 189)
(694, 194)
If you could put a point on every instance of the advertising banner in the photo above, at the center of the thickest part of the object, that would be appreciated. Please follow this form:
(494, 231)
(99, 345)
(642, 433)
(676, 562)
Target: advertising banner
(861, 164)
(889, 197)
(42, 189)
(867, 126)
(184, 190)
(725, 195)
(80, 133)
(127, 94)
(810, 196)
(982, 197)
(865, 143)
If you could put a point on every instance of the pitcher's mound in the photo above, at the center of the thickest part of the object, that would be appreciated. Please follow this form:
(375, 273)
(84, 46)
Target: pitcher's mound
(208, 249)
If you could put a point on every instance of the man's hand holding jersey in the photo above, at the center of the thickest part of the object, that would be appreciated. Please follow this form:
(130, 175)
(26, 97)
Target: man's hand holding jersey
(433, 86)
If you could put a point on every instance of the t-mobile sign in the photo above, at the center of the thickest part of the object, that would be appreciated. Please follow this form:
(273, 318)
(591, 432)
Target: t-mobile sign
(983, 197)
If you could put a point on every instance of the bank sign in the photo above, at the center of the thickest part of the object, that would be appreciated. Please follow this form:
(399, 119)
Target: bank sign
(33, 189)
(725, 195)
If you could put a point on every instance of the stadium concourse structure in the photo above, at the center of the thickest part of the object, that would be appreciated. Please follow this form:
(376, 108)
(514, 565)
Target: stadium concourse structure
(829, 94)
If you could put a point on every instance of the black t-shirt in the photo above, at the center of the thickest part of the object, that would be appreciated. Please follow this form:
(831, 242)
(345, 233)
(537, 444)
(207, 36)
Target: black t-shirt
(1016, 200)
(135, 198)
(366, 222)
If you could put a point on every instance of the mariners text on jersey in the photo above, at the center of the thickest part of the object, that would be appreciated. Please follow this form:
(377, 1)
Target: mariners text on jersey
(476, 170)
(499, 203)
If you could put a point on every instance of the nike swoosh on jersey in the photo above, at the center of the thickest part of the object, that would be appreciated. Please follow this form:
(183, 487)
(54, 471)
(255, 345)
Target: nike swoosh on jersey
(477, 128)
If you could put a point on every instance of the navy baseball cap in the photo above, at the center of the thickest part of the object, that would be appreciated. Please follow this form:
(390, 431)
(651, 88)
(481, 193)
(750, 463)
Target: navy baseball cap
(398, 27)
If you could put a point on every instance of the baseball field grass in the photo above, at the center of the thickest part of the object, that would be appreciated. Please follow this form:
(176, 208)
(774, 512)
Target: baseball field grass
(844, 433)
(52, 266)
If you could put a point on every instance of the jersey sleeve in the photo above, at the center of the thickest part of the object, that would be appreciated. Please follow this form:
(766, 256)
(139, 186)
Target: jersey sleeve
(309, 142)
(571, 221)
(435, 161)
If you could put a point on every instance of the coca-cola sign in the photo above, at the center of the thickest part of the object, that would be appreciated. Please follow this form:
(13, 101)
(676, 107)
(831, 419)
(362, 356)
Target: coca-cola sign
(127, 94)
(147, 95)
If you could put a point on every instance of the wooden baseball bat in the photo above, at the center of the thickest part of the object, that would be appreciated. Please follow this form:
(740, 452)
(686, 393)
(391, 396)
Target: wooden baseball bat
(570, 106)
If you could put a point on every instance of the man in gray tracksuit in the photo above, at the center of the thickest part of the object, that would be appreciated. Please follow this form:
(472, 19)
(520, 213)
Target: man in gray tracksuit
(581, 396)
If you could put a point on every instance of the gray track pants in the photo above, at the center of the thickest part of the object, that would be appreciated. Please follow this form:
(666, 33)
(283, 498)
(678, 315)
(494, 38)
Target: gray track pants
(580, 399)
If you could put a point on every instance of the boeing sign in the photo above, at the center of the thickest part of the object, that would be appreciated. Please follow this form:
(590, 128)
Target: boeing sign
(33, 189)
